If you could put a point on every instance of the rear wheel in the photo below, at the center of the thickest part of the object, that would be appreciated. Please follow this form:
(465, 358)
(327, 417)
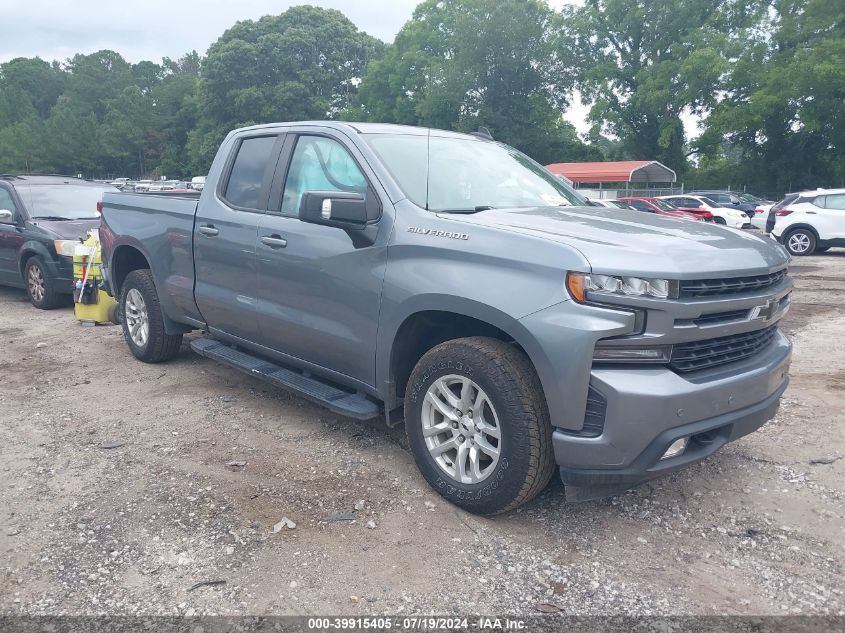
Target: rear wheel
(143, 322)
(477, 425)
(40, 286)
(800, 242)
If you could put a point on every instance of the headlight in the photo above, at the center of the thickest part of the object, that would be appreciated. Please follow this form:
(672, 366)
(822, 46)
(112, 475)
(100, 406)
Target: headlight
(69, 248)
(579, 284)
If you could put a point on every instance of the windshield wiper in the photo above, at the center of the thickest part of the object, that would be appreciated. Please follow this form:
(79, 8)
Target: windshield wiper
(481, 207)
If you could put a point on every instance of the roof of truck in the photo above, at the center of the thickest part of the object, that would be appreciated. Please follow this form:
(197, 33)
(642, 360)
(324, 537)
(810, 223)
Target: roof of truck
(364, 128)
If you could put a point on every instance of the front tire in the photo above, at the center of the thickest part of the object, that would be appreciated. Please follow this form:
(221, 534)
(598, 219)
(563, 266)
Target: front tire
(143, 322)
(40, 286)
(800, 242)
(721, 221)
(478, 425)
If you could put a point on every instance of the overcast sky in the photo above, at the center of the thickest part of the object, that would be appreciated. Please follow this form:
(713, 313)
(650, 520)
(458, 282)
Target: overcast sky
(152, 29)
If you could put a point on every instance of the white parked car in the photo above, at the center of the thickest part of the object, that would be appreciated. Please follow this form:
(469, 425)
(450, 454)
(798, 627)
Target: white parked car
(731, 217)
(761, 212)
(812, 222)
(198, 182)
(610, 204)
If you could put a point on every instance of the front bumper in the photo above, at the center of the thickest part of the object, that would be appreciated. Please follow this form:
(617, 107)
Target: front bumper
(60, 271)
(648, 409)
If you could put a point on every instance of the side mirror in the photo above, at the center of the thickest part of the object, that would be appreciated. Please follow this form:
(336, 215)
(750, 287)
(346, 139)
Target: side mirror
(340, 209)
(6, 216)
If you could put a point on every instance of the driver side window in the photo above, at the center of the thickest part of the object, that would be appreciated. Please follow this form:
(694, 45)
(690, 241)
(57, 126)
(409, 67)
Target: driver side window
(7, 204)
(320, 164)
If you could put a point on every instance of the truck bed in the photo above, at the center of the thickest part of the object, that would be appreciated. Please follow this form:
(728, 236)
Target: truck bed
(161, 227)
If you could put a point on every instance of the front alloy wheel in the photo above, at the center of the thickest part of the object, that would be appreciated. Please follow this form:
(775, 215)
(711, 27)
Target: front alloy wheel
(461, 429)
(40, 286)
(478, 425)
(35, 283)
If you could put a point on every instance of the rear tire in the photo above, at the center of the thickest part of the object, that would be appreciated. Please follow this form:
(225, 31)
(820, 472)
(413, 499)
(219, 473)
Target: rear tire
(40, 286)
(460, 396)
(800, 242)
(143, 322)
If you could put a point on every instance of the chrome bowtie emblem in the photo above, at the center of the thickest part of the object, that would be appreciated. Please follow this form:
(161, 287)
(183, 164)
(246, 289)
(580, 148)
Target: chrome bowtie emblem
(764, 312)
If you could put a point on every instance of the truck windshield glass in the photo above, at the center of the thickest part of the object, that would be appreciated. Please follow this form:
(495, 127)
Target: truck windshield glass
(460, 174)
(665, 206)
(67, 202)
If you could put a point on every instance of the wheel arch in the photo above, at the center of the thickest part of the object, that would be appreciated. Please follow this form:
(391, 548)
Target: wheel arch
(431, 322)
(127, 258)
(124, 259)
(801, 225)
(30, 249)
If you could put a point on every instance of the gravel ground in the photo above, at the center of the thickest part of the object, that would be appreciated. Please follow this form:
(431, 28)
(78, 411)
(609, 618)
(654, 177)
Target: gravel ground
(125, 485)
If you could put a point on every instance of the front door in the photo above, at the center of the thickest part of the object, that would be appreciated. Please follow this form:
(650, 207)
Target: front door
(225, 233)
(319, 290)
(11, 239)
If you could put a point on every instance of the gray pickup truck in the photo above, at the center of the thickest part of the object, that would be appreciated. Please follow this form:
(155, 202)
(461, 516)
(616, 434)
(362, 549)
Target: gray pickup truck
(450, 281)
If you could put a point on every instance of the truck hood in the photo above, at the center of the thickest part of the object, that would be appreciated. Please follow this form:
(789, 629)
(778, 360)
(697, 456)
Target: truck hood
(66, 229)
(641, 244)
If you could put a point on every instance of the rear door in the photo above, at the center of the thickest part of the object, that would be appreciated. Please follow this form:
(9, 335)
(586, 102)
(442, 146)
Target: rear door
(830, 216)
(225, 234)
(11, 239)
(319, 287)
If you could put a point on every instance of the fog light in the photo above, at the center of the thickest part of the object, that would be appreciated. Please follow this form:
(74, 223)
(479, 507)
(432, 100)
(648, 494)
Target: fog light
(676, 448)
(656, 354)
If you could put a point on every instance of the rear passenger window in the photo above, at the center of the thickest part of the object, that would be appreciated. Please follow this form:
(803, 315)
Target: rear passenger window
(247, 175)
(835, 201)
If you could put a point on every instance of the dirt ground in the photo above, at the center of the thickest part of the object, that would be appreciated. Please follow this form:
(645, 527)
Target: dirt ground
(210, 460)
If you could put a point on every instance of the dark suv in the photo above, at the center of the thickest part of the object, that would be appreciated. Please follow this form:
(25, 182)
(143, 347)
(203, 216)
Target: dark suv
(37, 215)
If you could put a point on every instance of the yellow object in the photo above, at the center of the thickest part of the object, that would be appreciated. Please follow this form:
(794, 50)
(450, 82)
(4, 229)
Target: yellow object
(95, 312)
(87, 271)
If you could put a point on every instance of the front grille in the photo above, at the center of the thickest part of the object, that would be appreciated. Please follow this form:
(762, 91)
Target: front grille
(712, 352)
(731, 286)
(718, 318)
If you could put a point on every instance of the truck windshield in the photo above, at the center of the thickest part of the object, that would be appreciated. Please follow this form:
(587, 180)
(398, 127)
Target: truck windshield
(665, 206)
(65, 202)
(453, 174)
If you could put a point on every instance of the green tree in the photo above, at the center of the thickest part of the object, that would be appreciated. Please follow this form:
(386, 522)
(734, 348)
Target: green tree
(781, 124)
(643, 63)
(461, 64)
(303, 64)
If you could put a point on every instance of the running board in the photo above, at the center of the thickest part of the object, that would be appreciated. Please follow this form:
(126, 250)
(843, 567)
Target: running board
(347, 403)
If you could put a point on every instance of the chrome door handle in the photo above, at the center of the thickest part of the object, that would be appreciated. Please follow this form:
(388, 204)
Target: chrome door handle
(209, 231)
(811, 213)
(274, 241)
